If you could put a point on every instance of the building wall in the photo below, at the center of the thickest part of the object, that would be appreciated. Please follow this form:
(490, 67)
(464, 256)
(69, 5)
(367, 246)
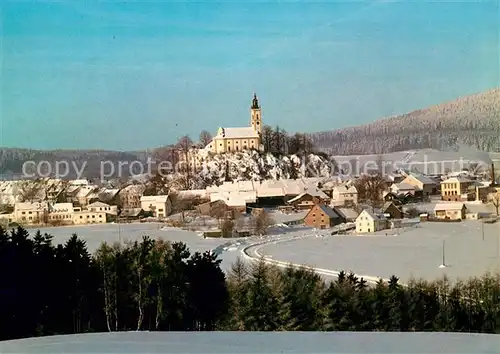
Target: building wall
(365, 223)
(160, 209)
(222, 145)
(343, 198)
(318, 219)
(89, 217)
(450, 214)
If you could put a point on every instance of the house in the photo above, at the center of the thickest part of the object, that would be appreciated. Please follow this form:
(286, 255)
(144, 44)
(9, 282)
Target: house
(456, 189)
(31, 213)
(392, 210)
(81, 217)
(100, 206)
(304, 201)
(159, 205)
(403, 188)
(344, 194)
(131, 214)
(322, 216)
(450, 211)
(60, 213)
(423, 183)
(369, 222)
(238, 139)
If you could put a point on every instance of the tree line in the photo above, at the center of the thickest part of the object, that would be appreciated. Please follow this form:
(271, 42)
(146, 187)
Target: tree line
(156, 285)
(472, 121)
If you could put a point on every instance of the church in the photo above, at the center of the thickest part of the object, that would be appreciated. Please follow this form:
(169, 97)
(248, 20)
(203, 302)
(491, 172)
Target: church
(238, 139)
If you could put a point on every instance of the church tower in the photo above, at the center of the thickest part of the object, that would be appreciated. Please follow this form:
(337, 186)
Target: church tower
(256, 115)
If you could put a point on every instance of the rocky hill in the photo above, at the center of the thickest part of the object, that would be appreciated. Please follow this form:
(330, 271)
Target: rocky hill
(472, 121)
(255, 166)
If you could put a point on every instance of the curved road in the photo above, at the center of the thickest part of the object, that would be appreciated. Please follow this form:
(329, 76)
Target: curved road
(252, 252)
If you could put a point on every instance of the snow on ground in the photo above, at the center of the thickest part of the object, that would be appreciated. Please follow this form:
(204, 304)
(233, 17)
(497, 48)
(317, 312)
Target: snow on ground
(415, 252)
(228, 250)
(280, 217)
(94, 235)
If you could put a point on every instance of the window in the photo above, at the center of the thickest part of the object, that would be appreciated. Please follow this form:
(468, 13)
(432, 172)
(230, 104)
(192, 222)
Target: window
(29, 212)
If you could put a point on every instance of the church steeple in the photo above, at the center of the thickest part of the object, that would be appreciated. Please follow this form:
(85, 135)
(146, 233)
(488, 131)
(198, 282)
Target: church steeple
(255, 102)
(255, 115)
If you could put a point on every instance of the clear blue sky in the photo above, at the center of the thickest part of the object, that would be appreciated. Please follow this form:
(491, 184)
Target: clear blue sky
(139, 74)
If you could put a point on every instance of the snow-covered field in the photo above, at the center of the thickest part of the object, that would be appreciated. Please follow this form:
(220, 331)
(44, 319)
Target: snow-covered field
(227, 249)
(414, 252)
(94, 235)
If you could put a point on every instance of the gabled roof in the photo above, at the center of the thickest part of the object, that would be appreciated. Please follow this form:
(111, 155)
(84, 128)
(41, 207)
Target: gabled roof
(300, 196)
(245, 132)
(98, 205)
(155, 198)
(369, 213)
(404, 186)
(449, 206)
(388, 204)
(348, 213)
(331, 213)
(423, 179)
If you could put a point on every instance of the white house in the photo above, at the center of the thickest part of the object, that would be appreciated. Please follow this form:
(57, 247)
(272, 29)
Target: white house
(159, 205)
(369, 222)
(344, 194)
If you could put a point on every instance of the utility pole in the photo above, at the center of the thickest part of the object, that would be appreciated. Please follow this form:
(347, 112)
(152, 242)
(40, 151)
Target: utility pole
(444, 261)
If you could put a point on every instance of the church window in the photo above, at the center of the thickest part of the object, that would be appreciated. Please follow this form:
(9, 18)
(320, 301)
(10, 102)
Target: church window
(257, 123)
(229, 148)
(244, 146)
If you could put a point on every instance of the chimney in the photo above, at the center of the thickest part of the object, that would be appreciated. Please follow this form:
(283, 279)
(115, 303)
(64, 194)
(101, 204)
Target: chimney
(492, 174)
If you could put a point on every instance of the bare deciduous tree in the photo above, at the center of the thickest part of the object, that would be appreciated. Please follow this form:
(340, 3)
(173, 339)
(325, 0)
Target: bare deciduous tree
(205, 138)
(495, 200)
(370, 188)
(30, 190)
(261, 223)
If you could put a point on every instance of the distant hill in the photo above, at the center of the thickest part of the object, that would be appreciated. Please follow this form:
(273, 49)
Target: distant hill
(12, 160)
(472, 121)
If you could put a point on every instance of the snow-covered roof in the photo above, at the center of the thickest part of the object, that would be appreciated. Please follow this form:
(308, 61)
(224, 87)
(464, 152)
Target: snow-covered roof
(388, 204)
(370, 214)
(344, 189)
(449, 206)
(348, 213)
(30, 206)
(458, 179)
(332, 213)
(98, 205)
(266, 191)
(61, 207)
(154, 198)
(234, 133)
(79, 182)
(317, 193)
(422, 178)
(405, 187)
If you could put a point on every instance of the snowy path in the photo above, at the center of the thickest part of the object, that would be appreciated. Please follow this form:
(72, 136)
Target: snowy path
(253, 252)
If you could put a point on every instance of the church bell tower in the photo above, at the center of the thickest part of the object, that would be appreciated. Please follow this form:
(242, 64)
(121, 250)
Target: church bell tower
(256, 115)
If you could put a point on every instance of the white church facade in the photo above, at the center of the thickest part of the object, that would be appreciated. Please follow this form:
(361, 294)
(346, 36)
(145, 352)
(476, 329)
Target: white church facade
(238, 139)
